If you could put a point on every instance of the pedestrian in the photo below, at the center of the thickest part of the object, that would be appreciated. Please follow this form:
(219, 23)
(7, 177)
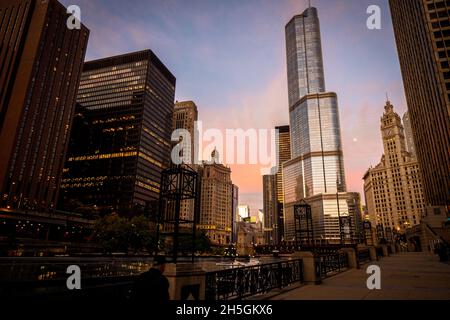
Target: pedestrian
(152, 287)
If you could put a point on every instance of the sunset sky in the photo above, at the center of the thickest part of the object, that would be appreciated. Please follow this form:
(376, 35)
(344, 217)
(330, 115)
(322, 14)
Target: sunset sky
(229, 57)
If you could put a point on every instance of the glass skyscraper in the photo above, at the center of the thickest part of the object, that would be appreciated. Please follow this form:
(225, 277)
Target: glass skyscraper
(120, 140)
(317, 165)
(304, 56)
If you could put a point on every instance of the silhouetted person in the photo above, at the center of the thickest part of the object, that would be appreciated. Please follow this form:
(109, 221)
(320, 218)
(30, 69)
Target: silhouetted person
(152, 287)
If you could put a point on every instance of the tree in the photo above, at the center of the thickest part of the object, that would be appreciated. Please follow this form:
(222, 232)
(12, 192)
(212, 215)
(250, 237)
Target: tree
(120, 234)
(202, 242)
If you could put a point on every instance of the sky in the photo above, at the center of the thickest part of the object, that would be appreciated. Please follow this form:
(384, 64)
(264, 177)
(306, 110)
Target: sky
(229, 57)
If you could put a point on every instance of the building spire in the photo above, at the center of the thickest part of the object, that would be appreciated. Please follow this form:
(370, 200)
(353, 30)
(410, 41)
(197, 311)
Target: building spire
(388, 107)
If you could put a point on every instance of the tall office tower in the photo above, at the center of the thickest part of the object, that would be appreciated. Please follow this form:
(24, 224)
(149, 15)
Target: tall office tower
(393, 188)
(270, 199)
(216, 202)
(422, 31)
(244, 211)
(316, 172)
(410, 146)
(284, 155)
(235, 211)
(184, 117)
(40, 67)
(120, 141)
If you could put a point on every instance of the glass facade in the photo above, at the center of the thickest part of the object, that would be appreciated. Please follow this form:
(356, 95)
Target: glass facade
(284, 154)
(271, 218)
(316, 172)
(326, 213)
(316, 140)
(304, 56)
(120, 141)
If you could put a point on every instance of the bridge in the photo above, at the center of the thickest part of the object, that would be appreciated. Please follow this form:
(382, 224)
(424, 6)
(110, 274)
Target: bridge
(324, 274)
(404, 276)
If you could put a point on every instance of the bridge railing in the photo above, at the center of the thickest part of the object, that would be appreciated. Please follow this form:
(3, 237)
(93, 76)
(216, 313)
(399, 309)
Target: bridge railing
(331, 263)
(240, 283)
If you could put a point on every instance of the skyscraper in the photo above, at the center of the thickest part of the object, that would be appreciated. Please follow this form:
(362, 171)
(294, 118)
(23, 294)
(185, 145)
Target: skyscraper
(120, 141)
(40, 67)
(271, 218)
(216, 205)
(316, 171)
(284, 155)
(184, 117)
(235, 206)
(393, 188)
(423, 40)
(244, 211)
(410, 145)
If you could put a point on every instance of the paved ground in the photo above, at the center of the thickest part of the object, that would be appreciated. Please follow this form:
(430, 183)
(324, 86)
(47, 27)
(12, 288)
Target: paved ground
(406, 276)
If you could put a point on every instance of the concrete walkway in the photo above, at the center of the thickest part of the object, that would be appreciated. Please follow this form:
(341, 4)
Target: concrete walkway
(405, 276)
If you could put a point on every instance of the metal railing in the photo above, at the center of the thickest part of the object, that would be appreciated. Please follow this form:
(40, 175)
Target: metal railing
(363, 256)
(331, 263)
(240, 283)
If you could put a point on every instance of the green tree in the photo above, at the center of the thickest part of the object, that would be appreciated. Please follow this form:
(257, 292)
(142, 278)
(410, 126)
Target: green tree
(120, 234)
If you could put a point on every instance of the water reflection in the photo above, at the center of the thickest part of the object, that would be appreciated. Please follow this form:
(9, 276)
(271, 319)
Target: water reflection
(39, 269)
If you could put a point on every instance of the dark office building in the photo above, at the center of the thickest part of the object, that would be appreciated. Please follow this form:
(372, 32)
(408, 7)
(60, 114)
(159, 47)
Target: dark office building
(271, 212)
(40, 67)
(284, 155)
(120, 141)
(422, 31)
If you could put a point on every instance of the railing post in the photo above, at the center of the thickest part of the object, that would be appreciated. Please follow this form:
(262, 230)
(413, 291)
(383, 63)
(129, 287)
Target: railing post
(188, 276)
(310, 275)
(385, 250)
(280, 275)
(352, 259)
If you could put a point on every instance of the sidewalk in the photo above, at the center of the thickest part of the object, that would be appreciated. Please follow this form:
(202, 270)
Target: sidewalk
(405, 276)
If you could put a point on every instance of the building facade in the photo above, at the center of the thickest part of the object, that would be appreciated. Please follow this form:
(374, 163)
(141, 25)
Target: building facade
(235, 211)
(216, 205)
(284, 154)
(422, 32)
(121, 138)
(41, 62)
(393, 188)
(184, 117)
(244, 211)
(410, 145)
(315, 173)
(271, 218)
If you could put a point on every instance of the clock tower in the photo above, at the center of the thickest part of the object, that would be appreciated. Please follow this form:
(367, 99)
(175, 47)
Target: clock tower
(393, 134)
(393, 188)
